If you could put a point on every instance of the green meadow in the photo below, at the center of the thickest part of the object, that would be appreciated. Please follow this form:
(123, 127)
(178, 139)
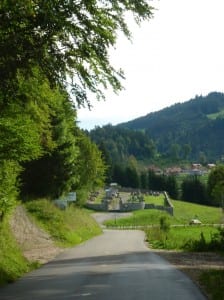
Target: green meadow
(183, 213)
(176, 234)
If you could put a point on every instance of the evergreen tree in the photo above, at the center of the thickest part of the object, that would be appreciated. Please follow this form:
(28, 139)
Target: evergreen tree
(143, 180)
(171, 187)
(132, 178)
(193, 190)
(216, 186)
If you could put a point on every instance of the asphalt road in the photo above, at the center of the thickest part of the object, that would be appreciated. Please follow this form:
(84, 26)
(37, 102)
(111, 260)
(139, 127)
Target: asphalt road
(114, 266)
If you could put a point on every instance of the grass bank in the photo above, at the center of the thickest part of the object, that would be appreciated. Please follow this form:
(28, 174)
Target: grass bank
(66, 227)
(12, 263)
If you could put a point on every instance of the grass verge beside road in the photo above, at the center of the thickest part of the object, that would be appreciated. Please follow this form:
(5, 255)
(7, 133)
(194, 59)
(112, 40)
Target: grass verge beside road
(12, 262)
(213, 281)
(67, 228)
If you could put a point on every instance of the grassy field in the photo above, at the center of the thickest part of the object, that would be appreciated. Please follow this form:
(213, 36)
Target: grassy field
(180, 238)
(157, 200)
(183, 213)
(180, 235)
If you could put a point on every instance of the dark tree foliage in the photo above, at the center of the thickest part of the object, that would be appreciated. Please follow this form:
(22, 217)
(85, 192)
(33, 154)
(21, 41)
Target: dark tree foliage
(132, 178)
(216, 186)
(163, 183)
(171, 187)
(107, 160)
(53, 173)
(194, 127)
(144, 180)
(119, 175)
(122, 143)
(156, 182)
(193, 190)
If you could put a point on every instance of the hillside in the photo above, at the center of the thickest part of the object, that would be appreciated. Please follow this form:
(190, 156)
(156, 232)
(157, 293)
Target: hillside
(192, 131)
(198, 123)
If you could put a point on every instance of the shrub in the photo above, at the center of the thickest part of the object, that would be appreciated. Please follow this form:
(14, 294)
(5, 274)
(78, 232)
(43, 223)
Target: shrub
(9, 170)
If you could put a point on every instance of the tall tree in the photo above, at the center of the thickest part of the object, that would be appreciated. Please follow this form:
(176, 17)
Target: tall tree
(171, 187)
(193, 190)
(53, 173)
(90, 167)
(216, 185)
(65, 38)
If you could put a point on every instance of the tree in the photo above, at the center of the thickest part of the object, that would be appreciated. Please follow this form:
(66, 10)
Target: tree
(89, 167)
(107, 160)
(175, 151)
(186, 151)
(65, 39)
(216, 185)
(132, 178)
(193, 190)
(171, 187)
(143, 180)
(54, 173)
(119, 174)
(156, 182)
(9, 171)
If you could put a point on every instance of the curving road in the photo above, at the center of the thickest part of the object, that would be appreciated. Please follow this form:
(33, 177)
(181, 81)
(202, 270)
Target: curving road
(114, 266)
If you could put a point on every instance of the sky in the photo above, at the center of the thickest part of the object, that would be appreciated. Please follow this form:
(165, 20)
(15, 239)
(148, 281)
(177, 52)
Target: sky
(172, 58)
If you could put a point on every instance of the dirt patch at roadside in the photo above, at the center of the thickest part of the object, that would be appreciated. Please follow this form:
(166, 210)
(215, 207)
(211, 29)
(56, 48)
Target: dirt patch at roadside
(194, 263)
(35, 243)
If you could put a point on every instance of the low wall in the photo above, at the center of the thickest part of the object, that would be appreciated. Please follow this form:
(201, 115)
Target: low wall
(168, 204)
(97, 207)
(132, 206)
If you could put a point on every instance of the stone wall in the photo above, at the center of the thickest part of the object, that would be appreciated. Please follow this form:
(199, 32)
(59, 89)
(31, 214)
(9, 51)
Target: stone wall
(97, 207)
(130, 206)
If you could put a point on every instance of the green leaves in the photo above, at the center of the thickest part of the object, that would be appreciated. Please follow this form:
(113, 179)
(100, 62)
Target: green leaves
(9, 171)
(66, 38)
(216, 185)
(20, 140)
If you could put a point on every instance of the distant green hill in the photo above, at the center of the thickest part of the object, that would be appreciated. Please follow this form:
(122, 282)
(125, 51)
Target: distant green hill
(198, 123)
(192, 130)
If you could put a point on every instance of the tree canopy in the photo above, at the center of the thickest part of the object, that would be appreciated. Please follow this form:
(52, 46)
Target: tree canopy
(66, 40)
(216, 185)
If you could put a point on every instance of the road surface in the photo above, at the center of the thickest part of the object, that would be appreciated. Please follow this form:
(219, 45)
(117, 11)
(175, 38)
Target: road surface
(114, 266)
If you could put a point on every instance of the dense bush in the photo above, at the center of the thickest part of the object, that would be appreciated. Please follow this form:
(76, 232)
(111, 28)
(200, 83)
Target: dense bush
(9, 171)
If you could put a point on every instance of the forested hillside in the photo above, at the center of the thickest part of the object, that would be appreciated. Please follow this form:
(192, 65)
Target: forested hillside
(190, 131)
